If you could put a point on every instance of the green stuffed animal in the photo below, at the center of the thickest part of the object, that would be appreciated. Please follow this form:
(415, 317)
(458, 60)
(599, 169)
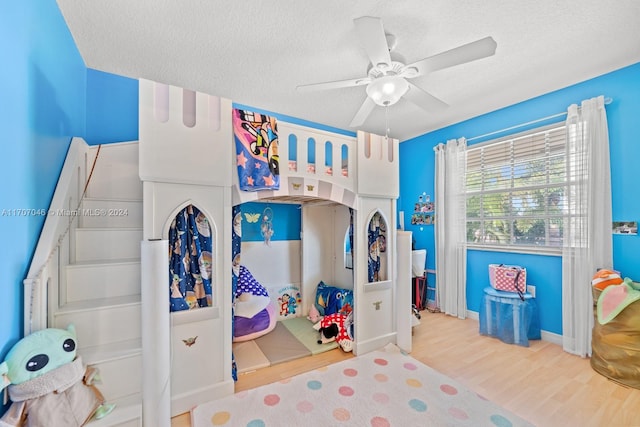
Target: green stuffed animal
(48, 384)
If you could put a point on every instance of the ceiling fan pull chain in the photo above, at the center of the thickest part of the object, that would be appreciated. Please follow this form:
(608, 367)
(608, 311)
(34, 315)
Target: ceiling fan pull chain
(386, 123)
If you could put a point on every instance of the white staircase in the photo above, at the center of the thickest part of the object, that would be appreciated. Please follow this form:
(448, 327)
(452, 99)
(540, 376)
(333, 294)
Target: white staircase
(99, 288)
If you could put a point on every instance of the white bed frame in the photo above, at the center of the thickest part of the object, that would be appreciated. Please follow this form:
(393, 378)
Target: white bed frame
(174, 121)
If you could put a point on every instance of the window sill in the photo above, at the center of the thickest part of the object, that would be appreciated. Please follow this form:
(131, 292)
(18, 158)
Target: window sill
(531, 250)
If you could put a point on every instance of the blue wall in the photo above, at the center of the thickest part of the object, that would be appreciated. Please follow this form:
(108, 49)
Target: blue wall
(417, 176)
(112, 108)
(286, 221)
(46, 94)
(42, 92)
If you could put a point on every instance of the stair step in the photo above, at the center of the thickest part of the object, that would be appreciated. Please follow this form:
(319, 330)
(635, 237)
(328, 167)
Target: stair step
(127, 413)
(111, 213)
(100, 244)
(116, 172)
(105, 321)
(120, 378)
(98, 280)
(107, 352)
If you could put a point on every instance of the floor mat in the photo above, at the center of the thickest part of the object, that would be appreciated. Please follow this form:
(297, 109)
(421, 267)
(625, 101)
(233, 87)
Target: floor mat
(381, 388)
(248, 356)
(280, 345)
(302, 329)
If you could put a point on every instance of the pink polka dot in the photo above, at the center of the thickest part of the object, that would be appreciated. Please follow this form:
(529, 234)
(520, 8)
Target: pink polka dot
(448, 389)
(271, 399)
(410, 366)
(380, 422)
(381, 378)
(381, 362)
(346, 391)
(350, 372)
(285, 381)
(304, 406)
(341, 414)
(458, 413)
(381, 398)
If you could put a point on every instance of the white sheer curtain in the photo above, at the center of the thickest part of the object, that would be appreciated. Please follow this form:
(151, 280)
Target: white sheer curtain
(587, 230)
(450, 227)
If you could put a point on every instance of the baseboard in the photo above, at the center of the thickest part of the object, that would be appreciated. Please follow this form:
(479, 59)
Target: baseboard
(551, 337)
(473, 315)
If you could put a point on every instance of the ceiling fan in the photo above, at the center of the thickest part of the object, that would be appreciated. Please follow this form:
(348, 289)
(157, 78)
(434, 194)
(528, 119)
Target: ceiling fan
(388, 74)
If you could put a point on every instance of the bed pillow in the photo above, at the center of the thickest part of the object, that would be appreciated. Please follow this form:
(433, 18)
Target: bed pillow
(331, 299)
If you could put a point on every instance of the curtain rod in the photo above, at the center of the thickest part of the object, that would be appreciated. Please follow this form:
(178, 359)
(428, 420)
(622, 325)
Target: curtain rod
(607, 101)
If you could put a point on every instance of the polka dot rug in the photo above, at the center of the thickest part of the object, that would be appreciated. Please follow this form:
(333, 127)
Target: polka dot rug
(379, 389)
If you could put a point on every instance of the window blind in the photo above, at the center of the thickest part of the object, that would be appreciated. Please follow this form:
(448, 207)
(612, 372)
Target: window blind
(517, 189)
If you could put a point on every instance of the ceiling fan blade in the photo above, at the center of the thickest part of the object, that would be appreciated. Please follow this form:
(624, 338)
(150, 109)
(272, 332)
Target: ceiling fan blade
(373, 39)
(422, 99)
(367, 107)
(459, 55)
(333, 85)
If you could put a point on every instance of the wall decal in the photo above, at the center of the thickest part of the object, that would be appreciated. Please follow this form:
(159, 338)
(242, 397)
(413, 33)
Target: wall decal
(190, 341)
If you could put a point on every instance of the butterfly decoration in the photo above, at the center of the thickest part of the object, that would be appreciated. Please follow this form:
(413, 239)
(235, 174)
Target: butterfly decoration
(296, 186)
(252, 217)
(190, 341)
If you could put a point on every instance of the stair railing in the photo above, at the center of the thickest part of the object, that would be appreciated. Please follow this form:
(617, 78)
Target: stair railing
(52, 250)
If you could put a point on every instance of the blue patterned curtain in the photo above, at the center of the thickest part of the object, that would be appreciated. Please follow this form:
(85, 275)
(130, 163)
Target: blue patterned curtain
(351, 215)
(190, 260)
(374, 248)
(236, 240)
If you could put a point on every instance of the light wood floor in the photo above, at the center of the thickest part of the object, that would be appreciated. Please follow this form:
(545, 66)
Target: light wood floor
(541, 383)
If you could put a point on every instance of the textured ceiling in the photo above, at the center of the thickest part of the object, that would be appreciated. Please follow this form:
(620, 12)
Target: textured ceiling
(256, 53)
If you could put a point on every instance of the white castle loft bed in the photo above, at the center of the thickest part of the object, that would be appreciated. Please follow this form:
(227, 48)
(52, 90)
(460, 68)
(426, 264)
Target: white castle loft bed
(187, 157)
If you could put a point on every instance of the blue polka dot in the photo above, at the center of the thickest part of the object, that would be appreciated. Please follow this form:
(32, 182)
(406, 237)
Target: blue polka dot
(418, 405)
(500, 421)
(256, 423)
(314, 385)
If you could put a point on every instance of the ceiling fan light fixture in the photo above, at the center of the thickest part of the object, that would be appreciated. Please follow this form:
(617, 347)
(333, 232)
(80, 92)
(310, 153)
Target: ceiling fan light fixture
(387, 90)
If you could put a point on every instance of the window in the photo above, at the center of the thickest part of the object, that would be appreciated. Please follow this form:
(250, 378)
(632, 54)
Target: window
(516, 190)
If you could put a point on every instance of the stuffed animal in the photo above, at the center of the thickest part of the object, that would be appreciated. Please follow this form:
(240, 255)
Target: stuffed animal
(604, 278)
(336, 327)
(314, 314)
(48, 383)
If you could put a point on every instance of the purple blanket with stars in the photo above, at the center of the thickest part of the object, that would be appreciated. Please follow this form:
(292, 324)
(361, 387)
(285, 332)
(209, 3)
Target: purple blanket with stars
(256, 137)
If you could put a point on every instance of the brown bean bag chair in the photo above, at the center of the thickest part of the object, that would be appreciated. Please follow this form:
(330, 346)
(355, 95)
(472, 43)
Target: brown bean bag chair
(616, 345)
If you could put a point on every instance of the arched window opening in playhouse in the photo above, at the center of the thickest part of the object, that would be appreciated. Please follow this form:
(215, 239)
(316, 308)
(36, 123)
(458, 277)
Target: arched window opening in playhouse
(190, 260)
(311, 155)
(293, 152)
(377, 244)
(345, 160)
(328, 158)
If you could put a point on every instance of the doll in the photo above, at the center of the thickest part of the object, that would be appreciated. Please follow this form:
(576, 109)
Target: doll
(48, 384)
